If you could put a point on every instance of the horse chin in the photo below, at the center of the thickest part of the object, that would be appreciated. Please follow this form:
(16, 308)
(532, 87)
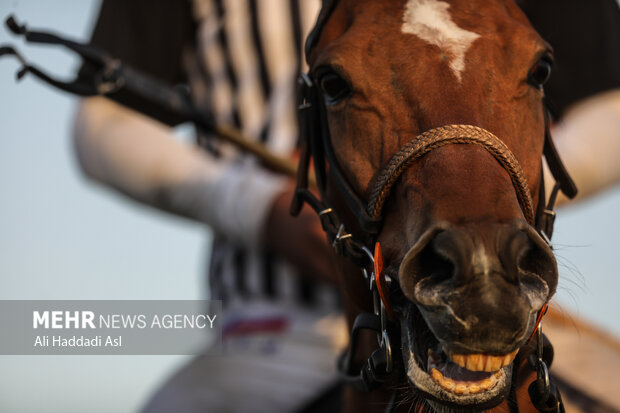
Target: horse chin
(460, 390)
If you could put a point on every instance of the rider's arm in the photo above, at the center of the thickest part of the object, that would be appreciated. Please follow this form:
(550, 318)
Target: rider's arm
(588, 140)
(139, 157)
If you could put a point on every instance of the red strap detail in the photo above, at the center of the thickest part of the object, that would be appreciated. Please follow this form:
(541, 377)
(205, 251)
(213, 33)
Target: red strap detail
(539, 317)
(381, 283)
(255, 326)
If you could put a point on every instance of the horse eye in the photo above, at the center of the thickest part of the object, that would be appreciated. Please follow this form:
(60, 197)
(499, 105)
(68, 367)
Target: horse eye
(334, 87)
(540, 73)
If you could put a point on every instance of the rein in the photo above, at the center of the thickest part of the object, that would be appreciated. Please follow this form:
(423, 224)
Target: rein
(316, 145)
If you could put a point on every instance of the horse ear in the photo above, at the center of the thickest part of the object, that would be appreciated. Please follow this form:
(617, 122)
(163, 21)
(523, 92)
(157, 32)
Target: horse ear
(327, 8)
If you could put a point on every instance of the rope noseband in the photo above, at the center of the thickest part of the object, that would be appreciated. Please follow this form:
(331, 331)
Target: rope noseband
(447, 135)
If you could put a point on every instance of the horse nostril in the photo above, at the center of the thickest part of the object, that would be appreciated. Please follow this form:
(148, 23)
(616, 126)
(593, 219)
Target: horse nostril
(514, 245)
(536, 260)
(431, 262)
(434, 265)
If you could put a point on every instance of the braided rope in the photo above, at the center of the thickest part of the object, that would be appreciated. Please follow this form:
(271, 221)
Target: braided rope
(446, 135)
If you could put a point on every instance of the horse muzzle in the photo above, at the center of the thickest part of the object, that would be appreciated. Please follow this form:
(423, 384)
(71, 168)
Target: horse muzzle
(473, 292)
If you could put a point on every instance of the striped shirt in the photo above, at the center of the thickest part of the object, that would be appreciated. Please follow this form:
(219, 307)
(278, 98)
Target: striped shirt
(249, 57)
(241, 59)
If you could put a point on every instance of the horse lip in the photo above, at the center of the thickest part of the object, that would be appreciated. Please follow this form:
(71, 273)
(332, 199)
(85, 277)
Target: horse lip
(423, 382)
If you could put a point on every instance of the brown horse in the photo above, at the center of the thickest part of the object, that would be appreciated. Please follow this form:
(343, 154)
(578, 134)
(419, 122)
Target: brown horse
(456, 209)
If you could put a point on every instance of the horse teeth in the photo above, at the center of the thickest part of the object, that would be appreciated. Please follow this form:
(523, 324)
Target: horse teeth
(448, 384)
(472, 361)
(493, 363)
(461, 388)
(486, 384)
(483, 362)
(507, 359)
(464, 387)
(458, 359)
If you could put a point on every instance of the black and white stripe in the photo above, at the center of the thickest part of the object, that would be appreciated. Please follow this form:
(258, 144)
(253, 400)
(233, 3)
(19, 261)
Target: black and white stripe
(250, 56)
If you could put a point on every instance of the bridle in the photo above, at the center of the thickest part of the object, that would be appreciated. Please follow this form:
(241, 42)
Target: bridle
(361, 248)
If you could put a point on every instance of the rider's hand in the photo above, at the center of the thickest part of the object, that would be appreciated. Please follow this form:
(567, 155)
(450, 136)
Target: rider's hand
(300, 240)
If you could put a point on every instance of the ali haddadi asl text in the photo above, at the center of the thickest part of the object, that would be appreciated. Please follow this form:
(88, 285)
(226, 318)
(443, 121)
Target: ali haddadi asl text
(78, 341)
(88, 320)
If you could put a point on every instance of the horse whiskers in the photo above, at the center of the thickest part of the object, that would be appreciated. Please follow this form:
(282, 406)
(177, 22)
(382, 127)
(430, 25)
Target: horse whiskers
(437, 408)
(407, 397)
(571, 276)
(418, 404)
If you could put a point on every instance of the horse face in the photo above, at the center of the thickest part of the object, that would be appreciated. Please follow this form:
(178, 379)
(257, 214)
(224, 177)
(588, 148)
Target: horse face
(473, 271)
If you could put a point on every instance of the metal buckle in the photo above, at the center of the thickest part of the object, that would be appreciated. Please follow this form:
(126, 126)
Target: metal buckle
(387, 348)
(326, 211)
(542, 372)
(383, 338)
(328, 220)
(549, 224)
(370, 255)
(545, 238)
(340, 236)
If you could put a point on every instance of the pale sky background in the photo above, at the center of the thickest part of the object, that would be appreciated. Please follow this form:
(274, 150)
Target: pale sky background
(62, 237)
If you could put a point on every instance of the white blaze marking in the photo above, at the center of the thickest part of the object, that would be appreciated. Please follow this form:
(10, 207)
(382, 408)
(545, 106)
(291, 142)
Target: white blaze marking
(431, 21)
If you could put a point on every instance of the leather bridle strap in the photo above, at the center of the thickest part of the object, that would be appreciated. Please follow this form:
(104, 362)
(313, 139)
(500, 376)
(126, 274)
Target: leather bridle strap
(545, 218)
(556, 166)
(447, 135)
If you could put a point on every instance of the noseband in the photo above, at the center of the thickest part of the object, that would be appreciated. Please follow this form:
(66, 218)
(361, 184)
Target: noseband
(447, 135)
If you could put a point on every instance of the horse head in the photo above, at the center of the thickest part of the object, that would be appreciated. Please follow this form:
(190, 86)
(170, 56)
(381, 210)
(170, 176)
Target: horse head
(432, 119)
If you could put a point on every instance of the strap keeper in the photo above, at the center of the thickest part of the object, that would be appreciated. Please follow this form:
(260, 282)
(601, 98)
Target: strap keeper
(341, 235)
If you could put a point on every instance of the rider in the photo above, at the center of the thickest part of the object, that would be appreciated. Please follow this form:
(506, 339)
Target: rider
(281, 323)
